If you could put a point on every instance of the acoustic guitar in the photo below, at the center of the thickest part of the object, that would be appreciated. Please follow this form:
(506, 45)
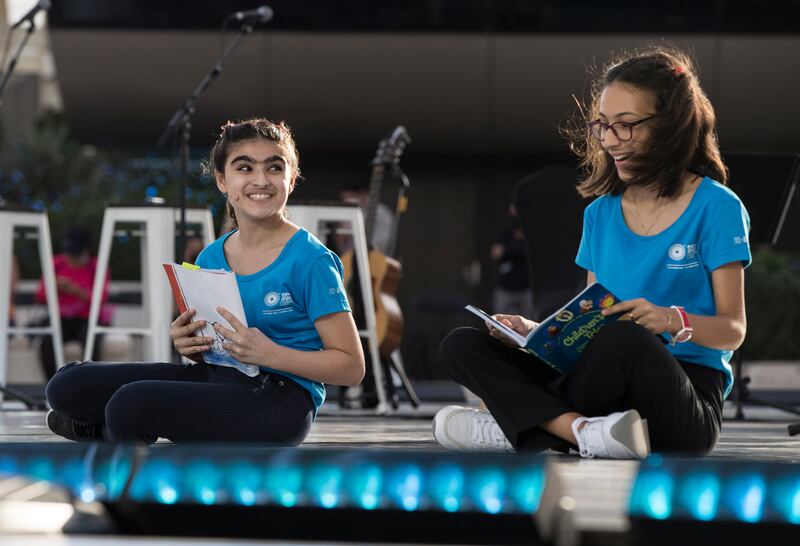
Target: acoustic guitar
(385, 271)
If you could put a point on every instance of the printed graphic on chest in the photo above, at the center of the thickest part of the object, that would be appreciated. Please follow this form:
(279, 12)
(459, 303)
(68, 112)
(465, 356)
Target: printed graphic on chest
(278, 298)
(682, 256)
(277, 302)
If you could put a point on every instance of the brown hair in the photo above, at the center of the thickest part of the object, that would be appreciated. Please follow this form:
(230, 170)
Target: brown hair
(683, 131)
(233, 133)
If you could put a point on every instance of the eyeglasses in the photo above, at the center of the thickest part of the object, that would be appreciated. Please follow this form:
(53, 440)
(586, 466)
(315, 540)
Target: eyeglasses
(621, 129)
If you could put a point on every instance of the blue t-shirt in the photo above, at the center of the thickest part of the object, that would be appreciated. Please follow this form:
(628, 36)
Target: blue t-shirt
(672, 267)
(284, 299)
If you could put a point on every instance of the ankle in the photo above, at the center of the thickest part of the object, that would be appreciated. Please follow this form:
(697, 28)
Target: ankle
(576, 427)
(561, 426)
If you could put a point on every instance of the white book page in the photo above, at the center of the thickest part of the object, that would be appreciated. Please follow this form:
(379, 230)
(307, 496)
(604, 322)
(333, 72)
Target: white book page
(207, 290)
(204, 290)
(502, 328)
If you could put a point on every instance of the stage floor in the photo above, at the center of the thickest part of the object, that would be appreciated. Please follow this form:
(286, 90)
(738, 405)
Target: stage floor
(599, 488)
(762, 436)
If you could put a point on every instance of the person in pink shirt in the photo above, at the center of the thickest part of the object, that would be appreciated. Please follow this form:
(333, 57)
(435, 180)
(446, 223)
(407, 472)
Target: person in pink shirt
(74, 270)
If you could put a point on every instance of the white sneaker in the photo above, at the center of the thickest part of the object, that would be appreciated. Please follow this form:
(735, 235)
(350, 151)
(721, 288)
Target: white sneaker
(621, 435)
(465, 429)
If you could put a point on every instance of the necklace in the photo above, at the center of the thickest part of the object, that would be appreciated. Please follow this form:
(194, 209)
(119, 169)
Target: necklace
(642, 225)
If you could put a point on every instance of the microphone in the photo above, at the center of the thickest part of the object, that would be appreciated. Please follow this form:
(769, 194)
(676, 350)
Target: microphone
(262, 14)
(40, 5)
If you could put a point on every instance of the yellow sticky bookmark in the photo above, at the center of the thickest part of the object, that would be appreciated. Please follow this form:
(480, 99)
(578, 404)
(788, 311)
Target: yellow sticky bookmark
(187, 265)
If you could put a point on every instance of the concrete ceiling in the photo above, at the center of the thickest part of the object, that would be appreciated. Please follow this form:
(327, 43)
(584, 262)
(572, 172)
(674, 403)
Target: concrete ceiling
(457, 93)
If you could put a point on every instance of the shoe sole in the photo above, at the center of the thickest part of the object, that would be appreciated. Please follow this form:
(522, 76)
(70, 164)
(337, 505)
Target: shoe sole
(632, 432)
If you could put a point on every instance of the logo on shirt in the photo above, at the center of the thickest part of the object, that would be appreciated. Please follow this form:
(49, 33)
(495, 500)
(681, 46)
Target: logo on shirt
(277, 303)
(278, 298)
(680, 252)
(740, 240)
(677, 252)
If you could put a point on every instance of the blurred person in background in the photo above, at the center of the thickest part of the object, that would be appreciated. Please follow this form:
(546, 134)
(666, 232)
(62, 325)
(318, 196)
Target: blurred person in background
(74, 270)
(512, 293)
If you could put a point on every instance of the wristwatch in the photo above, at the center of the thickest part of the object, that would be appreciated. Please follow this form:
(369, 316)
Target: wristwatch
(685, 333)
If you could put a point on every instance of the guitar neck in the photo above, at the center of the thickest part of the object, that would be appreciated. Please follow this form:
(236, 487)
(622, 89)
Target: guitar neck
(375, 183)
(402, 203)
(388, 153)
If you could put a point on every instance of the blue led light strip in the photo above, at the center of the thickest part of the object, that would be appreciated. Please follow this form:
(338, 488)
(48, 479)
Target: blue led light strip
(716, 490)
(327, 479)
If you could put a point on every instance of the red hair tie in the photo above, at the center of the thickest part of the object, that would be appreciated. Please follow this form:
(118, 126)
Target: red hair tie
(678, 70)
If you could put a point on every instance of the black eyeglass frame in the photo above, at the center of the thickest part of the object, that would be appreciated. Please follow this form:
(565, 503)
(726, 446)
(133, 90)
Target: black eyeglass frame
(604, 127)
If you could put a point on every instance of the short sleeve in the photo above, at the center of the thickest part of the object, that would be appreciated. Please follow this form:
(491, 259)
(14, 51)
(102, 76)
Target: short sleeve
(727, 235)
(584, 257)
(324, 289)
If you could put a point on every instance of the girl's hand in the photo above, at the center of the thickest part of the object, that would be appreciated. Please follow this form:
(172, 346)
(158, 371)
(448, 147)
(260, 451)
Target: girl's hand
(519, 324)
(68, 286)
(247, 345)
(656, 319)
(182, 332)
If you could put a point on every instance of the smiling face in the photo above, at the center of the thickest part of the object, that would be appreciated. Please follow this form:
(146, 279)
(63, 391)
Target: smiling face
(625, 103)
(257, 179)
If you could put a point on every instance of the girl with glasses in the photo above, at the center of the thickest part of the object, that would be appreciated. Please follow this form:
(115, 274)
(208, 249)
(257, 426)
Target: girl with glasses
(301, 332)
(666, 236)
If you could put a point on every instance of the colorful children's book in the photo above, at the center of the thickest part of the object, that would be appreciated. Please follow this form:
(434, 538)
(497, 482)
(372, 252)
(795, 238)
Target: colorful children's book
(561, 338)
(204, 290)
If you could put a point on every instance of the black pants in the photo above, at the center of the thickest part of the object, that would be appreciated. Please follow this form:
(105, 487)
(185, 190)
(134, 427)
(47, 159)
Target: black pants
(142, 402)
(623, 367)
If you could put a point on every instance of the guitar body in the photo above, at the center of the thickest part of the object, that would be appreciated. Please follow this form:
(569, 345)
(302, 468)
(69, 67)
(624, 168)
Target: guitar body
(385, 274)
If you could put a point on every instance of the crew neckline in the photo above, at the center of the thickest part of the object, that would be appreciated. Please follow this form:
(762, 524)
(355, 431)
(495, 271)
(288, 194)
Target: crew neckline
(669, 228)
(266, 269)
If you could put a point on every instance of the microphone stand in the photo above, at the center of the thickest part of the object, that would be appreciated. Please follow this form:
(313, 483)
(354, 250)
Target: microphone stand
(180, 127)
(15, 57)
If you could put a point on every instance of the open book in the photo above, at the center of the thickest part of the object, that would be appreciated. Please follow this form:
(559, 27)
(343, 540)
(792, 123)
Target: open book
(561, 338)
(204, 290)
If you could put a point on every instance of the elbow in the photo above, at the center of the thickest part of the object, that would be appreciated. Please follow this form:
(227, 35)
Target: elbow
(355, 373)
(739, 332)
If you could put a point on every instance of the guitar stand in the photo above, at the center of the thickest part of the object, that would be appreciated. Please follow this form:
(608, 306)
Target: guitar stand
(367, 397)
(395, 364)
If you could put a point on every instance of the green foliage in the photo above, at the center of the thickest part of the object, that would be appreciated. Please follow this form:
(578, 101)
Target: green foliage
(772, 295)
(50, 170)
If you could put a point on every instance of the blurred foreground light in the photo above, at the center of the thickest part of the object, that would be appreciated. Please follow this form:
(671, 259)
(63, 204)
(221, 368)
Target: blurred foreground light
(175, 489)
(731, 499)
